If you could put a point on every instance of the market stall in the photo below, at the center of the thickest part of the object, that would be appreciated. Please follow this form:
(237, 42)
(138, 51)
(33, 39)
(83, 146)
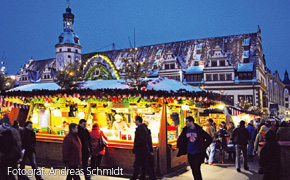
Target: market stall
(163, 111)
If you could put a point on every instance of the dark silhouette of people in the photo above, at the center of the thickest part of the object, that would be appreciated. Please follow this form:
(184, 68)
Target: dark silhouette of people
(72, 152)
(142, 150)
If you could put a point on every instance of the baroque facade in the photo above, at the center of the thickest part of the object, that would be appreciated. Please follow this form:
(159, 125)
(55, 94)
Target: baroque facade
(232, 65)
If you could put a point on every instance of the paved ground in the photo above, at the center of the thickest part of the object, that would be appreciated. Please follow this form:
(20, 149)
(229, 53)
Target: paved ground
(225, 171)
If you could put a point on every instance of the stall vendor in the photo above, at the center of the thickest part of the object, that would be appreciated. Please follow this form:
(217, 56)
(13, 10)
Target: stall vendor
(119, 125)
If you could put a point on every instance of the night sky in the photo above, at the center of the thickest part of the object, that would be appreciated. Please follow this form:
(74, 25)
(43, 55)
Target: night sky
(31, 28)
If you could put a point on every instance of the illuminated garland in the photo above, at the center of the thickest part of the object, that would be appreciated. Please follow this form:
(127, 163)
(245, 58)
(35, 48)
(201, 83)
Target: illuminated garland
(102, 68)
(199, 99)
(108, 61)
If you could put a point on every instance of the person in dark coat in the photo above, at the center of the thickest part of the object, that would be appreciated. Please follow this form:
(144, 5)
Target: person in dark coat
(72, 152)
(270, 157)
(97, 153)
(10, 152)
(142, 150)
(28, 145)
(241, 136)
(193, 141)
(85, 138)
(231, 147)
(222, 142)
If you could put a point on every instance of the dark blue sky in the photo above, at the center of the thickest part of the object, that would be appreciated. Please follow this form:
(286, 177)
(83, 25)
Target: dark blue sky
(31, 28)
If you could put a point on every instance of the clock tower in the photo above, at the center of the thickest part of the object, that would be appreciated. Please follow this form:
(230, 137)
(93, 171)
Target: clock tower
(68, 48)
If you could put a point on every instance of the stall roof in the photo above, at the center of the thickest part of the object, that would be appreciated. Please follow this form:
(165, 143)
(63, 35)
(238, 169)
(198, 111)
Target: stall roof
(165, 84)
(36, 86)
(194, 70)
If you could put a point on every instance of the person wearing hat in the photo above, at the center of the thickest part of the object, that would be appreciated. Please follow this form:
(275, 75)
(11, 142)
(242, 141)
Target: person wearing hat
(119, 125)
(97, 153)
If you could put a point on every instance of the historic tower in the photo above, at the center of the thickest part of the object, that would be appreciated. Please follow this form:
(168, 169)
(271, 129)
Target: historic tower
(68, 48)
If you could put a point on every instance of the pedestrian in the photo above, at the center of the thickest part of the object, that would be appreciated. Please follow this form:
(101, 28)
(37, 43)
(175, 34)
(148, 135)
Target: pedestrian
(16, 125)
(241, 136)
(142, 150)
(97, 152)
(251, 129)
(10, 151)
(231, 150)
(151, 156)
(221, 142)
(28, 145)
(85, 138)
(193, 141)
(72, 152)
(260, 138)
(270, 158)
(210, 151)
(283, 132)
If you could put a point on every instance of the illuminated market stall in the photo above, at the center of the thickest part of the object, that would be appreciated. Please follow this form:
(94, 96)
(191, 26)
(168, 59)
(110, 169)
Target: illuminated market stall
(164, 112)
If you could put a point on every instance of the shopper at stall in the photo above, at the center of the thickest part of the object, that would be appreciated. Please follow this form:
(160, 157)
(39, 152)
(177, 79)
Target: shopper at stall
(231, 147)
(85, 138)
(142, 150)
(211, 130)
(193, 141)
(97, 152)
(28, 145)
(221, 142)
(270, 158)
(241, 136)
(72, 152)
(251, 129)
(260, 138)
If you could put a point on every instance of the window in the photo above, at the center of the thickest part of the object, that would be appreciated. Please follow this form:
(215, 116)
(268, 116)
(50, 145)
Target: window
(222, 77)
(222, 63)
(198, 52)
(245, 76)
(68, 56)
(286, 99)
(286, 105)
(97, 72)
(60, 50)
(215, 77)
(166, 66)
(155, 67)
(172, 66)
(196, 63)
(229, 76)
(69, 49)
(77, 51)
(208, 77)
(246, 60)
(213, 63)
(230, 100)
(60, 39)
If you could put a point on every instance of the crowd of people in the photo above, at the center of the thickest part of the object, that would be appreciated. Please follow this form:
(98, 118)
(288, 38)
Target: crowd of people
(17, 144)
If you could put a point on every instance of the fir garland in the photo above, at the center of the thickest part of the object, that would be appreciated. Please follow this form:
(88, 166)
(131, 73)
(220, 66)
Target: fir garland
(103, 70)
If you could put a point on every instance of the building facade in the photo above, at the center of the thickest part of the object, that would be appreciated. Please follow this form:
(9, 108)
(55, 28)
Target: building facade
(232, 65)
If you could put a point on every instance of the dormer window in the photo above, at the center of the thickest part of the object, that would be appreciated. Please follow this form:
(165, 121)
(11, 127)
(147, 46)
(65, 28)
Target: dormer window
(60, 38)
(196, 63)
(76, 40)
